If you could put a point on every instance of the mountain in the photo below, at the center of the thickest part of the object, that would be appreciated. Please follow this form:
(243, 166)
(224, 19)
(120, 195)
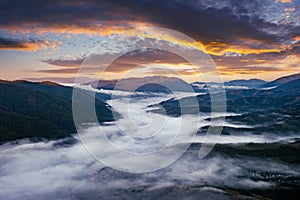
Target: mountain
(239, 101)
(69, 80)
(202, 87)
(251, 83)
(268, 111)
(153, 87)
(145, 84)
(55, 89)
(103, 84)
(47, 87)
(291, 87)
(41, 110)
(234, 84)
(282, 80)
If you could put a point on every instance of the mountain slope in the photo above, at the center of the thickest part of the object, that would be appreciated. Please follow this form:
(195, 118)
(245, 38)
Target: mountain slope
(56, 89)
(282, 80)
(40, 112)
(154, 84)
(251, 83)
(291, 87)
(277, 109)
(47, 87)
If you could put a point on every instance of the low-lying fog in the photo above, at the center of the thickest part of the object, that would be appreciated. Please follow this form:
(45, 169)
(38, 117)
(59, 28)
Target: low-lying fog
(64, 169)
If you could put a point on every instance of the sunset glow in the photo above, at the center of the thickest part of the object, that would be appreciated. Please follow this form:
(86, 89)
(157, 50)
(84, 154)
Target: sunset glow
(258, 39)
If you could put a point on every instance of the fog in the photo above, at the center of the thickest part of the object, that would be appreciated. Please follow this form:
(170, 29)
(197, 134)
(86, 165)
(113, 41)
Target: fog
(45, 170)
(65, 169)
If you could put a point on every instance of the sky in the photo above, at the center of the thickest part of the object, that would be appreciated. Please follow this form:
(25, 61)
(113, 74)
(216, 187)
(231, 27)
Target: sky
(49, 40)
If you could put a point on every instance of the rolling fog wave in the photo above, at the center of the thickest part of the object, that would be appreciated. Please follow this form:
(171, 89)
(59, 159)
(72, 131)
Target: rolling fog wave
(45, 170)
(63, 169)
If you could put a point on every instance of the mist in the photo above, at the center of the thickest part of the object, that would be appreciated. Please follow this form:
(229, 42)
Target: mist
(65, 169)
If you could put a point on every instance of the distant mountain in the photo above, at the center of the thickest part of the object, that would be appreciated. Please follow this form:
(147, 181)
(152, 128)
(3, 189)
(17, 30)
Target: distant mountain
(102, 84)
(282, 80)
(199, 84)
(40, 110)
(153, 87)
(146, 84)
(202, 87)
(69, 80)
(251, 83)
(243, 100)
(234, 84)
(291, 87)
(277, 109)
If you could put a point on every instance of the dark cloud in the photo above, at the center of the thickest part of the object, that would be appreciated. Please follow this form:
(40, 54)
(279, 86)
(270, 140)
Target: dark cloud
(241, 64)
(20, 44)
(257, 29)
(8, 42)
(60, 71)
(126, 62)
(138, 57)
(204, 24)
(203, 20)
(254, 59)
(64, 62)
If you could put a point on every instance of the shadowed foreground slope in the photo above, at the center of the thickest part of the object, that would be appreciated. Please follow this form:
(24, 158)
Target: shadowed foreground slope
(40, 110)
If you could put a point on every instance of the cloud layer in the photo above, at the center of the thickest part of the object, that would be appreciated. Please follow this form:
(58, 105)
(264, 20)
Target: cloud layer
(243, 37)
(219, 26)
(64, 169)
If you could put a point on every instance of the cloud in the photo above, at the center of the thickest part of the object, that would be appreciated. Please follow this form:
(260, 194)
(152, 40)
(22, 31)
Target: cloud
(7, 43)
(256, 30)
(60, 71)
(64, 62)
(284, 1)
(247, 70)
(285, 60)
(137, 57)
(63, 169)
(126, 62)
(157, 62)
(221, 27)
(80, 17)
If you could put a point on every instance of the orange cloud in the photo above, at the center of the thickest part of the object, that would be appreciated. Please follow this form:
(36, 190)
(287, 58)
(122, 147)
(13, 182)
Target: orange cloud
(217, 47)
(243, 46)
(226, 70)
(30, 45)
(297, 38)
(93, 29)
(283, 1)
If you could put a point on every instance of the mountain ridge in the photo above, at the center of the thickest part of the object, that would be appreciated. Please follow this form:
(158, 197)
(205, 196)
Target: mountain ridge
(282, 80)
(134, 83)
(39, 110)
